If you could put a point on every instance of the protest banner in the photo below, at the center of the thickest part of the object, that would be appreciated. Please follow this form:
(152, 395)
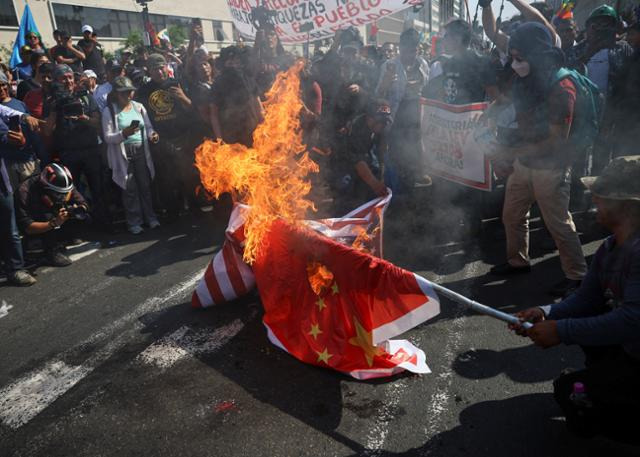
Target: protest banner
(322, 18)
(451, 142)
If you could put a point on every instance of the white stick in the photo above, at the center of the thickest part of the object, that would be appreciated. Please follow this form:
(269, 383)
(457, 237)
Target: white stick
(479, 307)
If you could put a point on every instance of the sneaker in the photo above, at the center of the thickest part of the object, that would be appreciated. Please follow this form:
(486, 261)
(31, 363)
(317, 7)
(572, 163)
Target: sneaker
(58, 259)
(135, 229)
(506, 269)
(564, 288)
(21, 278)
(154, 224)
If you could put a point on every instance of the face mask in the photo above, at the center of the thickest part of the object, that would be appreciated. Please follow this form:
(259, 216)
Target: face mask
(521, 68)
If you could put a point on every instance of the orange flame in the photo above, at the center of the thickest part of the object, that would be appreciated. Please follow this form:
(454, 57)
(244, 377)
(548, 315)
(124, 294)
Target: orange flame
(320, 278)
(364, 240)
(270, 177)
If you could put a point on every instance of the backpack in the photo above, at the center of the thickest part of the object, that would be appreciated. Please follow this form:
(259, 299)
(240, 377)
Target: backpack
(588, 108)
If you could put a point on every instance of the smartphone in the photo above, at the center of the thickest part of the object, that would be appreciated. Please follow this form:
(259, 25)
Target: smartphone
(14, 123)
(135, 124)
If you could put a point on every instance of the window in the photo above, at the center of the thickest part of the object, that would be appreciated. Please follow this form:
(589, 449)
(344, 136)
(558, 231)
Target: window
(218, 31)
(8, 13)
(108, 22)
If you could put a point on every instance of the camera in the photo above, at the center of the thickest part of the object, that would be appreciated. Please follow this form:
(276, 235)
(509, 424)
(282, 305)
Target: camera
(77, 212)
(67, 103)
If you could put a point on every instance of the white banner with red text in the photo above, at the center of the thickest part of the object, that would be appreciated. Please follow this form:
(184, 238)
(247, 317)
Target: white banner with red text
(296, 21)
(452, 143)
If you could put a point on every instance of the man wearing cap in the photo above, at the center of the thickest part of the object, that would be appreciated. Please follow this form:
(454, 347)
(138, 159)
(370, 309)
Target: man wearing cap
(114, 69)
(65, 52)
(93, 52)
(74, 119)
(600, 56)
(171, 114)
(603, 315)
(604, 60)
(89, 81)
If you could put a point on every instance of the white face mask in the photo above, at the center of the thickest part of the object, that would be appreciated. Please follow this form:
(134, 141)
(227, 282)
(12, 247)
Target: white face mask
(521, 68)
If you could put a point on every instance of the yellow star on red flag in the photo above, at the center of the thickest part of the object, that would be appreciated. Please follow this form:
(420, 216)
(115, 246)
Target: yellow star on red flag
(324, 356)
(364, 341)
(315, 331)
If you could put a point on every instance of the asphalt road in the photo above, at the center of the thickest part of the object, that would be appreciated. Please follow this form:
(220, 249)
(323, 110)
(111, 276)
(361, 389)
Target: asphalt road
(106, 358)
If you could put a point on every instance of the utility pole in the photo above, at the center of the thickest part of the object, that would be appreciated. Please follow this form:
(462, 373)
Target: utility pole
(146, 39)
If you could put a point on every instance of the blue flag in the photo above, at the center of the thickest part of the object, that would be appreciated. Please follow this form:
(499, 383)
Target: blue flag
(27, 24)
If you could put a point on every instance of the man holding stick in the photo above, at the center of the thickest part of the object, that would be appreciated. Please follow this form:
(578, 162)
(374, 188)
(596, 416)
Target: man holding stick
(603, 315)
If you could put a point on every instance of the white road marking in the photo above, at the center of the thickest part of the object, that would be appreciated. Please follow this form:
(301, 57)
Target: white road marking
(22, 400)
(380, 430)
(439, 399)
(186, 342)
(441, 396)
(82, 250)
(25, 398)
(4, 309)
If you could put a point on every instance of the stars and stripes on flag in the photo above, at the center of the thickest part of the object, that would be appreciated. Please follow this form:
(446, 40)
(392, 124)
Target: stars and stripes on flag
(327, 303)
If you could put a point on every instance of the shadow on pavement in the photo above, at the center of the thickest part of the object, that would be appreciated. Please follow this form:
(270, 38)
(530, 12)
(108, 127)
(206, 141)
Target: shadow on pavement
(525, 364)
(522, 426)
(311, 395)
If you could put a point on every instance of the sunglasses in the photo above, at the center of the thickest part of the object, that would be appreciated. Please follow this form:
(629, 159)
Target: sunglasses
(31, 37)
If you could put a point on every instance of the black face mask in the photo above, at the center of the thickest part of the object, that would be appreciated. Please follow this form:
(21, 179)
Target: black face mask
(605, 34)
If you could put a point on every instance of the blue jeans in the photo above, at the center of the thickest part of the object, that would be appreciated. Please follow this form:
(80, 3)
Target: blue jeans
(10, 244)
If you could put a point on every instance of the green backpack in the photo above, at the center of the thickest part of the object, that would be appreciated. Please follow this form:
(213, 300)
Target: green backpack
(587, 111)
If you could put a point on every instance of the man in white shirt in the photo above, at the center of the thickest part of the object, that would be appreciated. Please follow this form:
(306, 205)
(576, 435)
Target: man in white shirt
(103, 90)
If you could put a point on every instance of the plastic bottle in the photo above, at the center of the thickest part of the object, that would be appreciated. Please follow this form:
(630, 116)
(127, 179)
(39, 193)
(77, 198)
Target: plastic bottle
(579, 397)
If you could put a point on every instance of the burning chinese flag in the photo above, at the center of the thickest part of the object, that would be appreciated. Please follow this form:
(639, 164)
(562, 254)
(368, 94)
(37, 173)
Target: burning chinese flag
(328, 301)
(330, 305)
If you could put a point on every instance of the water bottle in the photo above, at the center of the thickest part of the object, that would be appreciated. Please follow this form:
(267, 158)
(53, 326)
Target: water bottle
(579, 398)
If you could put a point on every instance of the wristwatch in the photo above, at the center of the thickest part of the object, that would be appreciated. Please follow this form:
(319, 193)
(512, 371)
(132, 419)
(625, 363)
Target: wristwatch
(53, 225)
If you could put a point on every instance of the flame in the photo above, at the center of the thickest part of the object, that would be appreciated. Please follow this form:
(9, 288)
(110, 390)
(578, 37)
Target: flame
(364, 240)
(320, 278)
(270, 177)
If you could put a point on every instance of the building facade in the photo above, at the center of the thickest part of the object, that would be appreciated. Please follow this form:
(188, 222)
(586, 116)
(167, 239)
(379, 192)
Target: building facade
(427, 20)
(113, 20)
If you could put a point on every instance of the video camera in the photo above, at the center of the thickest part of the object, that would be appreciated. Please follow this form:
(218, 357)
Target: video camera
(67, 103)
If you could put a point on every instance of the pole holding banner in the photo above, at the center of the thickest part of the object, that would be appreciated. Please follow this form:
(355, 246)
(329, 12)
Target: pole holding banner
(479, 307)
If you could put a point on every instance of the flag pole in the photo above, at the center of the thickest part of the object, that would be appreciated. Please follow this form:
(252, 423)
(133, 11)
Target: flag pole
(479, 307)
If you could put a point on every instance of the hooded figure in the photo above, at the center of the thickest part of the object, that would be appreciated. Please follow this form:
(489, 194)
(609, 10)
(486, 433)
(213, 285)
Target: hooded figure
(541, 171)
(536, 61)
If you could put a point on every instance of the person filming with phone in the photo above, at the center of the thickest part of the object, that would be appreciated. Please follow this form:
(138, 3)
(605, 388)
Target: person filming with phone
(127, 131)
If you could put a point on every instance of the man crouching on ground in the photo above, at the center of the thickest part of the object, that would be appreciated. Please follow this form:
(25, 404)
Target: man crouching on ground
(602, 316)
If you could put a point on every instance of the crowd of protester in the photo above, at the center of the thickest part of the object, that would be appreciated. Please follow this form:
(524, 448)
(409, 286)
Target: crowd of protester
(84, 140)
(124, 130)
